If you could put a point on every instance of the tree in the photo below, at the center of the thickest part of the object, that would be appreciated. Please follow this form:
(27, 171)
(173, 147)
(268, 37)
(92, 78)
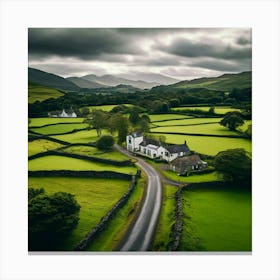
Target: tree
(120, 124)
(134, 117)
(211, 111)
(232, 120)
(105, 143)
(85, 111)
(98, 120)
(50, 217)
(234, 164)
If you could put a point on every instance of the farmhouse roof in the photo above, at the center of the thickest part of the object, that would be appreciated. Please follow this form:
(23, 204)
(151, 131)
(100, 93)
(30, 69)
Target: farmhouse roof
(173, 149)
(136, 134)
(149, 141)
(187, 161)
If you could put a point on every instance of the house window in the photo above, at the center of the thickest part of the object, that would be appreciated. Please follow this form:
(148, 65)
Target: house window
(149, 152)
(167, 154)
(144, 151)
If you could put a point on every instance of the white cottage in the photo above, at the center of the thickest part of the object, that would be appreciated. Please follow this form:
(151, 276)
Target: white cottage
(151, 148)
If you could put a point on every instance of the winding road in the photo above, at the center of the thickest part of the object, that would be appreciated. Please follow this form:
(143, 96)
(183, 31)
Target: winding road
(141, 234)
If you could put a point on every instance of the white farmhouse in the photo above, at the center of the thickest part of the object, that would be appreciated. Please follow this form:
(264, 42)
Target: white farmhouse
(63, 114)
(151, 148)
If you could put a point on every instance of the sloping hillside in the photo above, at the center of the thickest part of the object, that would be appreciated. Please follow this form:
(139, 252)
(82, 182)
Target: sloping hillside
(83, 83)
(41, 93)
(39, 77)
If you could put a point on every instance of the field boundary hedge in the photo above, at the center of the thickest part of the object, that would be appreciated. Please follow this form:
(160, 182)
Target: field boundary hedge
(46, 137)
(177, 227)
(81, 174)
(64, 133)
(83, 157)
(85, 242)
(199, 134)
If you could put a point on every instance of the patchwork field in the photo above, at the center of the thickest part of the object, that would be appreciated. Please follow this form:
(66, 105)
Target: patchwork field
(208, 145)
(217, 220)
(213, 128)
(66, 163)
(85, 136)
(44, 121)
(41, 145)
(190, 121)
(106, 108)
(163, 117)
(92, 151)
(218, 110)
(96, 197)
(60, 128)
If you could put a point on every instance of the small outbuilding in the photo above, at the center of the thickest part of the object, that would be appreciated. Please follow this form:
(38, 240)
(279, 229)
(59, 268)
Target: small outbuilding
(186, 165)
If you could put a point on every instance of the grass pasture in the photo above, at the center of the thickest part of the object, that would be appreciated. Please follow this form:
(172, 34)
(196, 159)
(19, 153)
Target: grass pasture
(41, 145)
(218, 110)
(66, 163)
(41, 93)
(92, 151)
(106, 108)
(208, 145)
(213, 128)
(59, 128)
(85, 136)
(190, 121)
(44, 121)
(163, 117)
(95, 196)
(217, 219)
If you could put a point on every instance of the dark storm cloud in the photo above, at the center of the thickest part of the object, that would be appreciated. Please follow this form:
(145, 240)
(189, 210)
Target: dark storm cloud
(243, 41)
(82, 43)
(187, 48)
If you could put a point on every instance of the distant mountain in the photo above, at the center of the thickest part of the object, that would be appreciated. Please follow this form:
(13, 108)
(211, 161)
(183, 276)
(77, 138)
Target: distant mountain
(83, 83)
(150, 78)
(39, 77)
(111, 81)
(225, 82)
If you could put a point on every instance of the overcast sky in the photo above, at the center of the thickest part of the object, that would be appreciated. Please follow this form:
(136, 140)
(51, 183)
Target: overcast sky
(179, 53)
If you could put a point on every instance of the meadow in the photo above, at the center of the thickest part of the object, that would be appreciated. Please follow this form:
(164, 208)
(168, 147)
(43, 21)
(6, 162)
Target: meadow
(92, 151)
(189, 121)
(45, 121)
(208, 145)
(85, 136)
(59, 128)
(163, 117)
(218, 110)
(66, 163)
(217, 219)
(95, 196)
(41, 145)
(106, 108)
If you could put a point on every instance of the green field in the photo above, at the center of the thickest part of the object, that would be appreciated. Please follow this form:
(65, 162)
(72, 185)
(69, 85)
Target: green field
(92, 151)
(166, 219)
(66, 163)
(85, 136)
(218, 110)
(156, 118)
(213, 128)
(106, 108)
(208, 145)
(41, 93)
(41, 145)
(195, 178)
(44, 121)
(187, 121)
(217, 220)
(60, 128)
(117, 227)
(96, 197)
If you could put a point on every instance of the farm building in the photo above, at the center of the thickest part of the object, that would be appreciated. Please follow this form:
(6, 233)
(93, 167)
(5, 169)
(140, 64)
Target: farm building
(137, 143)
(63, 114)
(187, 164)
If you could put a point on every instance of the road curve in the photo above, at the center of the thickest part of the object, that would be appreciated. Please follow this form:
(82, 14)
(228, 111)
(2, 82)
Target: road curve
(141, 234)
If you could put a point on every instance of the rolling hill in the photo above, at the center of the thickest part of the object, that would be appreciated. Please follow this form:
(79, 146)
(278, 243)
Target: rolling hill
(83, 83)
(225, 82)
(39, 77)
(41, 93)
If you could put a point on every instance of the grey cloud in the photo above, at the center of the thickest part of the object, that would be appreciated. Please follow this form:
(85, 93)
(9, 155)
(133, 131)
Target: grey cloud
(186, 48)
(243, 41)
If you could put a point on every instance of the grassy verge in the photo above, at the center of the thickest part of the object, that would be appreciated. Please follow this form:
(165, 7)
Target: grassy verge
(113, 234)
(166, 219)
(96, 197)
(217, 219)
